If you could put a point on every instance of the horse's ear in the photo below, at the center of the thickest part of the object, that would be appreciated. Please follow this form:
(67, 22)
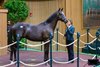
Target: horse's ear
(62, 9)
(59, 9)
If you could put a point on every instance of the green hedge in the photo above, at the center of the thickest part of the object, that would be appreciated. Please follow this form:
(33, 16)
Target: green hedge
(24, 40)
(18, 10)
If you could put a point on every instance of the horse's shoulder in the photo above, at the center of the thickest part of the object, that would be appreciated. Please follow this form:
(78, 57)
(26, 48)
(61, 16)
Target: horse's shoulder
(43, 23)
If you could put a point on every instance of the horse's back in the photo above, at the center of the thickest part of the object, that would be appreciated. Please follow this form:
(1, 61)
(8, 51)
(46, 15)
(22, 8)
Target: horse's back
(22, 28)
(18, 28)
(32, 32)
(17, 25)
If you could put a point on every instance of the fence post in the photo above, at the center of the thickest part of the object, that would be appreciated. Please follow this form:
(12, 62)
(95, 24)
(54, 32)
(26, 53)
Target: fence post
(41, 46)
(50, 50)
(97, 36)
(88, 38)
(26, 46)
(57, 39)
(78, 37)
(18, 50)
(88, 35)
(96, 48)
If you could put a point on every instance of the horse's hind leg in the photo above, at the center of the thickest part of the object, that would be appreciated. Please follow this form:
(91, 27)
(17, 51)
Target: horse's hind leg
(15, 46)
(11, 54)
(46, 52)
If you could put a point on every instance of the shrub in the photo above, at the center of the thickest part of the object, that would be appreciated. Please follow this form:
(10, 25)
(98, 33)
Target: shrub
(18, 10)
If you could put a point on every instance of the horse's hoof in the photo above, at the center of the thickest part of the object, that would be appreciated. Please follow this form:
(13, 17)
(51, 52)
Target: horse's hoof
(11, 62)
(46, 64)
(49, 62)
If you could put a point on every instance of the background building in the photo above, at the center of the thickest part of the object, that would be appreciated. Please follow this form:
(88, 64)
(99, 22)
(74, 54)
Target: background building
(40, 10)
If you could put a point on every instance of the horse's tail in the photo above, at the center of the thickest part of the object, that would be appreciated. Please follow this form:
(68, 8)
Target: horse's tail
(12, 38)
(13, 34)
(9, 35)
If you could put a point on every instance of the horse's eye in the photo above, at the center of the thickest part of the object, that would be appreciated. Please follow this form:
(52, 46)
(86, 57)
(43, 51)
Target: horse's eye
(60, 14)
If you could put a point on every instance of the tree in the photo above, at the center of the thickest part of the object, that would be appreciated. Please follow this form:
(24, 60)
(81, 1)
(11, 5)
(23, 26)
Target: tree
(17, 10)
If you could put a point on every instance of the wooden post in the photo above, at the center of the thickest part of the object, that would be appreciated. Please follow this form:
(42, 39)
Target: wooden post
(18, 36)
(78, 37)
(50, 50)
(57, 39)
(3, 30)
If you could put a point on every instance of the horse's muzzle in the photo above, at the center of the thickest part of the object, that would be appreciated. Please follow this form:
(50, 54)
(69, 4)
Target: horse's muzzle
(65, 21)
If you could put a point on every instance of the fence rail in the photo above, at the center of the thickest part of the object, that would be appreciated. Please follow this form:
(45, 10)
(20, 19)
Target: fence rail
(51, 59)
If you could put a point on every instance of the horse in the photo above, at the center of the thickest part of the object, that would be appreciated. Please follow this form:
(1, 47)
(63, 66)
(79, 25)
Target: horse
(39, 32)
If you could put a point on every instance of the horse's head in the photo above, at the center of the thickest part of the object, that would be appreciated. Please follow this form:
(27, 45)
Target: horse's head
(61, 15)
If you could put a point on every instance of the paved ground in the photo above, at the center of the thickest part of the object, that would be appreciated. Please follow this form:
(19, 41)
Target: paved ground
(31, 57)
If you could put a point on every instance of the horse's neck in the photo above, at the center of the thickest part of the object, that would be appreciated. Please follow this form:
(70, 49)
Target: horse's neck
(53, 24)
(52, 21)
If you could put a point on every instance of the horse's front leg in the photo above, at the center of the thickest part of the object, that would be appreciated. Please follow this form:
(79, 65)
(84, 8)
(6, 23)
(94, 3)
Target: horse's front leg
(46, 52)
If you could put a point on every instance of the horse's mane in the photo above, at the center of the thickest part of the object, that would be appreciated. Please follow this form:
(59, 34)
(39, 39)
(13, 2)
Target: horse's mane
(49, 20)
(52, 16)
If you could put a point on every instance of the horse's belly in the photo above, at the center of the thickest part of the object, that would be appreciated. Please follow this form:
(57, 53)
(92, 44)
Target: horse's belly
(34, 38)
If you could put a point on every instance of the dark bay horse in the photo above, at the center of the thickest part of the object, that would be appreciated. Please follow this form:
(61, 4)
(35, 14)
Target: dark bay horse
(41, 31)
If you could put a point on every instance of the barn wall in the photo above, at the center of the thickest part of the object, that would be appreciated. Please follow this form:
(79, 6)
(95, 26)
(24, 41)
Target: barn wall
(3, 30)
(74, 11)
(41, 10)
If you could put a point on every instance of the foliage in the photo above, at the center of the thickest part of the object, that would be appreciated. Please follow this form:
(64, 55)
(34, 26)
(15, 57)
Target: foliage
(18, 10)
(24, 41)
